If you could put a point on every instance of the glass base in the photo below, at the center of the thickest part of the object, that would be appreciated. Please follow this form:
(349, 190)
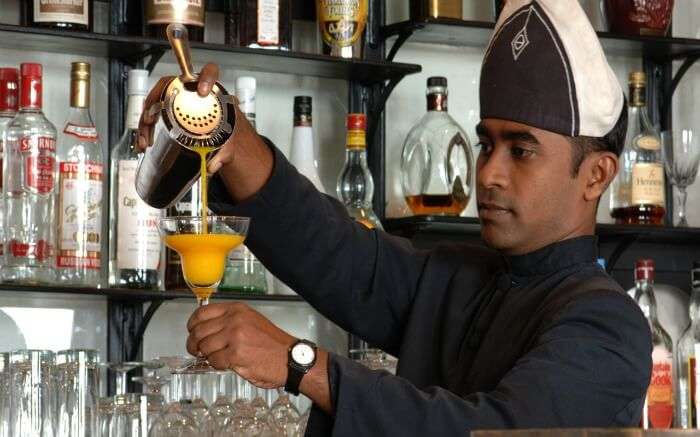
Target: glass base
(197, 365)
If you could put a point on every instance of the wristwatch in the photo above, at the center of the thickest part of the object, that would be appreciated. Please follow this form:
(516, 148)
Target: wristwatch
(301, 358)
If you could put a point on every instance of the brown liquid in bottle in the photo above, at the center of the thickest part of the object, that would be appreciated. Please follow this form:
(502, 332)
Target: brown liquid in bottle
(437, 204)
(639, 215)
(28, 13)
(250, 13)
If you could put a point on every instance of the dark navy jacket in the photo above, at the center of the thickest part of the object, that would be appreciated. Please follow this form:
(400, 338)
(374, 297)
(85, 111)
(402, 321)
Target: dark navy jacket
(484, 341)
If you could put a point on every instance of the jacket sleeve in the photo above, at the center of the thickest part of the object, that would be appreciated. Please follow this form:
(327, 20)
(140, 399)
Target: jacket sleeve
(590, 368)
(364, 280)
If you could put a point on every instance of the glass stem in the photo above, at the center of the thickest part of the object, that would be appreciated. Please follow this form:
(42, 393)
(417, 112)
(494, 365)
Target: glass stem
(682, 198)
(121, 383)
(202, 302)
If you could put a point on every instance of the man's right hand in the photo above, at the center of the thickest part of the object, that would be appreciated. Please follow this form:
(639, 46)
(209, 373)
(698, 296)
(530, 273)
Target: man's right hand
(245, 160)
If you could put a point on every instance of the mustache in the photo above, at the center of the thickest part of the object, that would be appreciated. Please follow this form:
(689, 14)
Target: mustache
(492, 199)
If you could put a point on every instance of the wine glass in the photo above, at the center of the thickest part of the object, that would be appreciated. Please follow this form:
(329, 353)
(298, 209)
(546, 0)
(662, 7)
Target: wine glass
(120, 370)
(681, 155)
(203, 244)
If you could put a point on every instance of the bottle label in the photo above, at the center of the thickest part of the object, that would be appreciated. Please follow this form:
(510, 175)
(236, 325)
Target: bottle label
(356, 139)
(268, 22)
(39, 161)
(246, 103)
(79, 215)
(39, 251)
(660, 393)
(172, 11)
(692, 391)
(342, 21)
(648, 186)
(86, 133)
(134, 110)
(138, 242)
(648, 142)
(62, 11)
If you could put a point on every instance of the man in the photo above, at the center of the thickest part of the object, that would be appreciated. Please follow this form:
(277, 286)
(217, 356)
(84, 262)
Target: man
(530, 334)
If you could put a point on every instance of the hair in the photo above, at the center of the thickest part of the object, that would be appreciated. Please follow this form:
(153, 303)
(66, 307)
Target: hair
(613, 142)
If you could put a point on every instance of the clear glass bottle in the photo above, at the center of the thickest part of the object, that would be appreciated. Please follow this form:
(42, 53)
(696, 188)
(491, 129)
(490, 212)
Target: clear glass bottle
(302, 153)
(437, 162)
(355, 184)
(688, 351)
(135, 245)
(79, 236)
(342, 26)
(658, 407)
(9, 105)
(29, 183)
(244, 272)
(638, 193)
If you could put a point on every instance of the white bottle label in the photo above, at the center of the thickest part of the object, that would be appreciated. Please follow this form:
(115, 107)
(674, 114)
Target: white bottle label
(268, 22)
(138, 242)
(134, 110)
(86, 133)
(68, 11)
(648, 187)
(80, 215)
(39, 165)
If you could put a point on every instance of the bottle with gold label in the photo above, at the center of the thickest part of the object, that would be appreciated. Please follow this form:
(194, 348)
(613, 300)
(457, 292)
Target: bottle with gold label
(342, 25)
(638, 193)
(160, 13)
(59, 14)
(355, 185)
(422, 9)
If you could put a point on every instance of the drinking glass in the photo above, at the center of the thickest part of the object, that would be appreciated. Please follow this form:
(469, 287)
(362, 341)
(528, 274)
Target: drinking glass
(203, 244)
(284, 414)
(78, 382)
(120, 370)
(105, 408)
(134, 414)
(31, 409)
(375, 359)
(221, 410)
(174, 422)
(4, 394)
(151, 384)
(681, 155)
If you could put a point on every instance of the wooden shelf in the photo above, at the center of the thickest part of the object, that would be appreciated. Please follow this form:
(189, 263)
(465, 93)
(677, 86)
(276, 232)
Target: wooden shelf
(133, 49)
(477, 34)
(136, 295)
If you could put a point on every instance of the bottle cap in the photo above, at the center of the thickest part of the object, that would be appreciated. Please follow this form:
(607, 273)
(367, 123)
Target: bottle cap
(246, 82)
(437, 81)
(638, 78)
(9, 89)
(356, 122)
(138, 82)
(80, 70)
(302, 105)
(30, 70)
(31, 86)
(644, 270)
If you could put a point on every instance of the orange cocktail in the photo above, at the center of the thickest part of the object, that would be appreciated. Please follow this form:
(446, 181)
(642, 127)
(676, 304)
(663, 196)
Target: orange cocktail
(203, 258)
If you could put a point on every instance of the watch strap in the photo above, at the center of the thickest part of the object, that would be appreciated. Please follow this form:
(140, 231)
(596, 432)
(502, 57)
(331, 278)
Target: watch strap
(294, 377)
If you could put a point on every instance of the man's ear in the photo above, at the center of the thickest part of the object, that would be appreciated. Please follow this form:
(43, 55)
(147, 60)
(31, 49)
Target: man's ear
(597, 172)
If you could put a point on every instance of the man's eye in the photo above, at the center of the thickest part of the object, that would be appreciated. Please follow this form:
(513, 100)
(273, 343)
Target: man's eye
(520, 152)
(485, 148)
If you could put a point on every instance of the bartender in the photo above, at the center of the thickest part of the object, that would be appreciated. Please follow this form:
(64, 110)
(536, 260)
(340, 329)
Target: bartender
(529, 333)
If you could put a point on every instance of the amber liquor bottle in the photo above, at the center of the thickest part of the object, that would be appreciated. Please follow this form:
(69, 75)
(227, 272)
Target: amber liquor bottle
(60, 14)
(265, 24)
(638, 193)
(160, 13)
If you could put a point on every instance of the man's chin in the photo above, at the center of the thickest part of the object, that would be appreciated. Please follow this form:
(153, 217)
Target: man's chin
(496, 236)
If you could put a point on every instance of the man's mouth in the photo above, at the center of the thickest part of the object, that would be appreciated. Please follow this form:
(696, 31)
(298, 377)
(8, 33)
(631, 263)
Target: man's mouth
(492, 211)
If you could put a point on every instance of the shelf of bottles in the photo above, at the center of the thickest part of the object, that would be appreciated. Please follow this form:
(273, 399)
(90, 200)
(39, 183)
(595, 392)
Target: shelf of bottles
(451, 31)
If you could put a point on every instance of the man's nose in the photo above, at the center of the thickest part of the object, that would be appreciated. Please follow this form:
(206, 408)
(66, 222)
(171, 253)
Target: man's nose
(493, 170)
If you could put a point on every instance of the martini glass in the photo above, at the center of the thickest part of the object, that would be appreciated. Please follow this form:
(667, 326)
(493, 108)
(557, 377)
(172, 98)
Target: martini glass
(203, 244)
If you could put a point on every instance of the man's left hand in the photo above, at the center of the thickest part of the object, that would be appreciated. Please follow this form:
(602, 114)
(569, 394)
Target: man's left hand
(236, 337)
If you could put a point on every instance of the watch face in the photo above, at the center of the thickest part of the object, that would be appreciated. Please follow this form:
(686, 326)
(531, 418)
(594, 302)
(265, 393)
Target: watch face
(303, 354)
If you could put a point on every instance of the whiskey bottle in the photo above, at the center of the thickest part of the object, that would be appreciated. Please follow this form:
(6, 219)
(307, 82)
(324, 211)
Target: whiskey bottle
(135, 245)
(160, 13)
(437, 162)
(688, 351)
(422, 9)
(9, 105)
(265, 24)
(658, 406)
(638, 193)
(80, 183)
(29, 183)
(355, 185)
(60, 14)
(342, 25)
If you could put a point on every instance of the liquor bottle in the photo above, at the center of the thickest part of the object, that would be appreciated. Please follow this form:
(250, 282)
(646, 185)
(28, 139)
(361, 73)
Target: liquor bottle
(635, 18)
(437, 162)
(688, 351)
(342, 25)
(355, 185)
(302, 154)
(638, 193)
(9, 104)
(173, 277)
(160, 13)
(29, 182)
(422, 9)
(265, 24)
(658, 407)
(80, 185)
(244, 272)
(135, 244)
(60, 14)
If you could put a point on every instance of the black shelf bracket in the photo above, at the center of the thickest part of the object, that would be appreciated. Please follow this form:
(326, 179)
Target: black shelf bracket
(625, 243)
(688, 62)
(155, 54)
(403, 33)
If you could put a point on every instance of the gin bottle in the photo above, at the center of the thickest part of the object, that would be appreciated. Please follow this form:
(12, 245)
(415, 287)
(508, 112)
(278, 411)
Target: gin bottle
(688, 351)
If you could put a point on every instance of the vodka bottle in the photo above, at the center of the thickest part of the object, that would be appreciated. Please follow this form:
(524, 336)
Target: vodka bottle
(9, 105)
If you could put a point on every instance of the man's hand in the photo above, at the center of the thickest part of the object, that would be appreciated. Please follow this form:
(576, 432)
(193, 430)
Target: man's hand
(236, 337)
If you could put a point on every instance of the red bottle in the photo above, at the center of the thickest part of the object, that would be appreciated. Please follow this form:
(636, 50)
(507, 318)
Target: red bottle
(639, 17)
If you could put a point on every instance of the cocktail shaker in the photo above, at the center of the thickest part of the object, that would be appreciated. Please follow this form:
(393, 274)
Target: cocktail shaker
(186, 122)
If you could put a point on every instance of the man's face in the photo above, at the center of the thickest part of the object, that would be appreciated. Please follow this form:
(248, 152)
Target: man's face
(527, 196)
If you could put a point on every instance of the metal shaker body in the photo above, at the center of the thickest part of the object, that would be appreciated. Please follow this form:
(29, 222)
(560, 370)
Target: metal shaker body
(186, 122)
